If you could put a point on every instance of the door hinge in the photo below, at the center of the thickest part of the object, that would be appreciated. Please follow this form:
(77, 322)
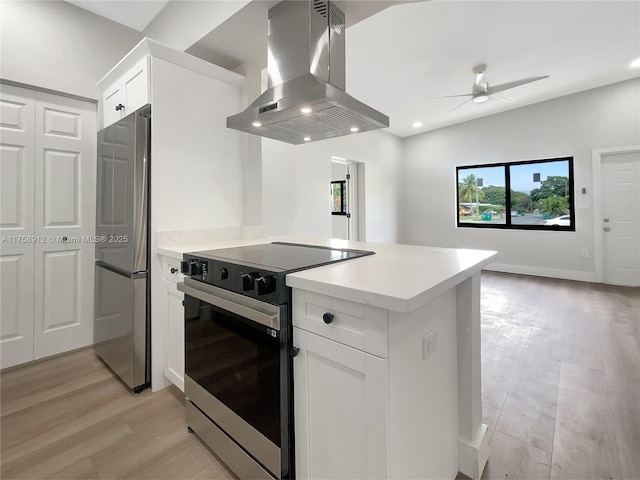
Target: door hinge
(348, 215)
(348, 176)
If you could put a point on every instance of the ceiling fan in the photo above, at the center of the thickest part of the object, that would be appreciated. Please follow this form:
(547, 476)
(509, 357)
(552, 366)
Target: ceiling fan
(482, 91)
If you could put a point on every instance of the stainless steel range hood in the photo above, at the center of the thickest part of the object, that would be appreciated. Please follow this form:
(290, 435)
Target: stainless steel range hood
(306, 100)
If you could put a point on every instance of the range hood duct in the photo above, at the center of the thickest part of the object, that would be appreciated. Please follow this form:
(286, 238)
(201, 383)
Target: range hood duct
(306, 100)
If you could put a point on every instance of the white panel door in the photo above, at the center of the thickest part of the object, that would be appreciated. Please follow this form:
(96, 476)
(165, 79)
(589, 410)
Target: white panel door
(65, 179)
(16, 224)
(341, 402)
(621, 218)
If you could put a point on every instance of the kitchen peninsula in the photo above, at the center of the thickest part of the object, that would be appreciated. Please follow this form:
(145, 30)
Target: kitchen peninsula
(391, 386)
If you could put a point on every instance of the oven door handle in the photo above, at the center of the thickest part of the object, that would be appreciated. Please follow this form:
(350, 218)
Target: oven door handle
(267, 319)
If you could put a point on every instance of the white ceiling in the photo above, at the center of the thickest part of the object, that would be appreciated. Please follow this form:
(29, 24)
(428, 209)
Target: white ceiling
(134, 14)
(399, 59)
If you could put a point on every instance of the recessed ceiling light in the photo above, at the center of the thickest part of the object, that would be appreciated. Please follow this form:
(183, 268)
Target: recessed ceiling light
(354, 129)
(305, 109)
(306, 139)
(635, 63)
(256, 124)
(417, 124)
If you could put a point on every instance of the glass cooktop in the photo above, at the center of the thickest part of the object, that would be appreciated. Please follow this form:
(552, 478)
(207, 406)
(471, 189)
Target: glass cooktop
(282, 256)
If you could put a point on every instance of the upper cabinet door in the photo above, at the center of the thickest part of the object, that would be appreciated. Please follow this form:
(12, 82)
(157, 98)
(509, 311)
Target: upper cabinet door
(127, 94)
(112, 98)
(136, 86)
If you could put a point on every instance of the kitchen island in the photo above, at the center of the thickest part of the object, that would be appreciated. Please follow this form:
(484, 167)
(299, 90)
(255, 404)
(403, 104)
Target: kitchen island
(389, 387)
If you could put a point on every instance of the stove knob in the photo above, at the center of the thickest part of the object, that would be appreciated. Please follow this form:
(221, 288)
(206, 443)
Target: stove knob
(224, 274)
(266, 285)
(184, 267)
(195, 268)
(247, 281)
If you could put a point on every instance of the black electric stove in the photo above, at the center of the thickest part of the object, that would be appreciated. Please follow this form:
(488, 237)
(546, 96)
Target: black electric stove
(239, 351)
(259, 271)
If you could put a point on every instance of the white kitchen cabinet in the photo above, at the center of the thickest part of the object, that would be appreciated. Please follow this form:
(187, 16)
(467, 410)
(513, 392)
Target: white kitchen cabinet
(389, 415)
(174, 368)
(341, 401)
(127, 93)
(172, 312)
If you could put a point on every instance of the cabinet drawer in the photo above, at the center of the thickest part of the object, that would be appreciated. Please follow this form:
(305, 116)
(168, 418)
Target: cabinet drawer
(354, 324)
(171, 269)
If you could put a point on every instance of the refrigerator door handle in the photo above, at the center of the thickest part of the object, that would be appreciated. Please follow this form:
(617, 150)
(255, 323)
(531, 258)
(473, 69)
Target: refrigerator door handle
(119, 271)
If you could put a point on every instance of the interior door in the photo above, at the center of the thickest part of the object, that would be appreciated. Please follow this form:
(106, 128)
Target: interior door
(339, 197)
(621, 218)
(17, 106)
(65, 179)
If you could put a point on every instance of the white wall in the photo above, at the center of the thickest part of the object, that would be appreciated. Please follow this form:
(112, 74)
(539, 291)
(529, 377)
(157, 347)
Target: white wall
(56, 45)
(197, 169)
(181, 24)
(296, 180)
(569, 126)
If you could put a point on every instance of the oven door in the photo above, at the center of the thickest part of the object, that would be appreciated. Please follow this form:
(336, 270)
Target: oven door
(233, 367)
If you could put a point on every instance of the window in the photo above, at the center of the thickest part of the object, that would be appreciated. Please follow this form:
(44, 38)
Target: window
(532, 195)
(339, 197)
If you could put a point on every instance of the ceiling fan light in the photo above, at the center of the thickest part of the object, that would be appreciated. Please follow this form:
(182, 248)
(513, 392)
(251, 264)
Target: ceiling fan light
(480, 97)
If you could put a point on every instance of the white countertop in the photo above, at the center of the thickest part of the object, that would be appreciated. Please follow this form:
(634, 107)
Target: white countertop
(401, 278)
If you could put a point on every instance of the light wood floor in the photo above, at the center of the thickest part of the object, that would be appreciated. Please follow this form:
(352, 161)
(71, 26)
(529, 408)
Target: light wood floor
(561, 396)
(561, 378)
(69, 418)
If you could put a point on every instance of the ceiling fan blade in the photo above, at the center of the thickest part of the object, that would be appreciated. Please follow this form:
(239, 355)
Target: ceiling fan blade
(452, 96)
(516, 83)
(455, 108)
(502, 97)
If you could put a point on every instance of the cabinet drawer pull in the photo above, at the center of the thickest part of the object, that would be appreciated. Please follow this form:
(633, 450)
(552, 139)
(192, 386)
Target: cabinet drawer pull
(174, 270)
(328, 318)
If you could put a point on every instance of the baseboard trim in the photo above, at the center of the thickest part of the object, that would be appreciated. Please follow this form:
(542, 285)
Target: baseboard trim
(543, 272)
(472, 457)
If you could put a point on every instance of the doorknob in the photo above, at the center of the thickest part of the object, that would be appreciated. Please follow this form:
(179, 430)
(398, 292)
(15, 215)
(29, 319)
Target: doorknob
(606, 229)
(605, 220)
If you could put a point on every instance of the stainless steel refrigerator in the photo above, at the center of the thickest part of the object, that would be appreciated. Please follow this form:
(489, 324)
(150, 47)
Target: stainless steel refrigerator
(122, 333)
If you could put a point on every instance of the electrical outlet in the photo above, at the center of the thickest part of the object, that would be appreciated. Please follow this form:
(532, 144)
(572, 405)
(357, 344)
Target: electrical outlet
(430, 344)
(585, 252)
